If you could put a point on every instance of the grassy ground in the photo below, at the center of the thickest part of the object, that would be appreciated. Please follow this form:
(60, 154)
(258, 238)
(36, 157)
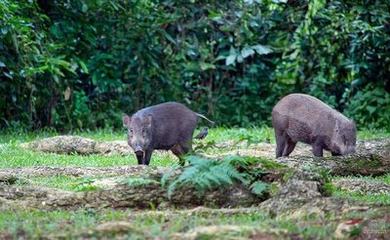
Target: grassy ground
(37, 224)
(19, 223)
(17, 157)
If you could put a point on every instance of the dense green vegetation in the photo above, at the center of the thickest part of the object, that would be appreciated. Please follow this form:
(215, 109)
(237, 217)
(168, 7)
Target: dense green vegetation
(81, 64)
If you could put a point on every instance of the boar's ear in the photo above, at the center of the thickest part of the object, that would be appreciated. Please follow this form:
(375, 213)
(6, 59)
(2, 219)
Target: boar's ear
(148, 120)
(126, 120)
(353, 123)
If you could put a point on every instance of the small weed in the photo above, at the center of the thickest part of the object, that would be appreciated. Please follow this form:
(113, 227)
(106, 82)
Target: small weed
(136, 181)
(85, 185)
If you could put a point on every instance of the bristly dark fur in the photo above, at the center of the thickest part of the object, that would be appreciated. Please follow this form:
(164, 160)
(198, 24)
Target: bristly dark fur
(172, 126)
(303, 118)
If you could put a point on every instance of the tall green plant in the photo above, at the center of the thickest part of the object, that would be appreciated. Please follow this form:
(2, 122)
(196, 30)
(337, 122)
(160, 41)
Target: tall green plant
(82, 63)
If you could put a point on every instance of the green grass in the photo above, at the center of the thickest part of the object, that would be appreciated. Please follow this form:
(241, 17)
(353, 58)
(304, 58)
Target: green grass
(382, 198)
(372, 134)
(38, 224)
(12, 155)
(64, 182)
(219, 134)
(20, 223)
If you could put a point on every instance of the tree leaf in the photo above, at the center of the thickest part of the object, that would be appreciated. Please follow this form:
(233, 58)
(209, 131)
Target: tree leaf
(246, 52)
(261, 49)
(205, 66)
(230, 59)
(83, 67)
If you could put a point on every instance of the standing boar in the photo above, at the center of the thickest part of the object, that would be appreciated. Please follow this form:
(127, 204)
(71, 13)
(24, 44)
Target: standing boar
(303, 118)
(166, 126)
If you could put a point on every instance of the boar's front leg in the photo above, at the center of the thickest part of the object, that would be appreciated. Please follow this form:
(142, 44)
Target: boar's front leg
(144, 159)
(280, 137)
(139, 159)
(148, 155)
(317, 149)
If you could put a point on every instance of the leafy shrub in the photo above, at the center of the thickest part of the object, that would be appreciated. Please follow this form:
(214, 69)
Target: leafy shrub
(370, 108)
(206, 174)
(84, 185)
(82, 63)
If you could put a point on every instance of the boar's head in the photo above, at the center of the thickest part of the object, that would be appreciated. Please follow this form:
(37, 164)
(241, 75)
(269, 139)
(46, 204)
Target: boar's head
(139, 133)
(344, 137)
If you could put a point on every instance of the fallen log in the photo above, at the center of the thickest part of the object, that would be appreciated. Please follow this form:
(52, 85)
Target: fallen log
(121, 191)
(372, 159)
(75, 144)
(146, 196)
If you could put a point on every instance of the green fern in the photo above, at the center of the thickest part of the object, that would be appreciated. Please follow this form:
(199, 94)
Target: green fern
(259, 187)
(206, 174)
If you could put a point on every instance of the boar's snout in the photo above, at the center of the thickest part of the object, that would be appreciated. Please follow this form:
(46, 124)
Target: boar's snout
(349, 150)
(138, 151)
(345, 149)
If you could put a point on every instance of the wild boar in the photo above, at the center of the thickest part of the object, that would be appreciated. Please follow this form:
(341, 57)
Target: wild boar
(166, 126)
(303, 118)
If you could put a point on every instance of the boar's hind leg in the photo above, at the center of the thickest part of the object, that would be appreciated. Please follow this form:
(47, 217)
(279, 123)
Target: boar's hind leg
(289, 146)
(180, 150)
(280, 137)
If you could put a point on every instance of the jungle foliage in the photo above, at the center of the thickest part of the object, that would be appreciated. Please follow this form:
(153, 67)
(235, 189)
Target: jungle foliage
(82, 63)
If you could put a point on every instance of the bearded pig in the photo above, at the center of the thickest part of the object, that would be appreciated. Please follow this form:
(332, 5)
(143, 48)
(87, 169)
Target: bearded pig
(166, 126)
(303, 118)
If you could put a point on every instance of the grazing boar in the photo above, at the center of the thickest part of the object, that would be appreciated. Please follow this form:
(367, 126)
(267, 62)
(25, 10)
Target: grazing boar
(303, 118)
(166, 126)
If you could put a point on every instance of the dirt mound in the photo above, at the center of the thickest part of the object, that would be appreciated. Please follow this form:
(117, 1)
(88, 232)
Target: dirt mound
(78, 145)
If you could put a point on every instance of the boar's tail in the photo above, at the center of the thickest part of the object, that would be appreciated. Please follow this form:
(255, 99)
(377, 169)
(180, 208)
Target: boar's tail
(203, 133)
(202, 116)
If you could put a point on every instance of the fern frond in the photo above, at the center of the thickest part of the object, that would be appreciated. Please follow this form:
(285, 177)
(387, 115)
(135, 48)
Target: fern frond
(258, 187)
(206, 174)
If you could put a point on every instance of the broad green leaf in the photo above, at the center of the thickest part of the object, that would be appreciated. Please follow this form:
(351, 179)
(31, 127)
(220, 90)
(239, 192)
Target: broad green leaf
(246, 52)
(206, 66)
(261, 49)
(230, 60)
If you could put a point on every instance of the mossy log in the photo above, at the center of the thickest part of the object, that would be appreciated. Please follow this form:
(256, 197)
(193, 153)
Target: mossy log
(372, 158)
(80, 145)
(118, 192)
